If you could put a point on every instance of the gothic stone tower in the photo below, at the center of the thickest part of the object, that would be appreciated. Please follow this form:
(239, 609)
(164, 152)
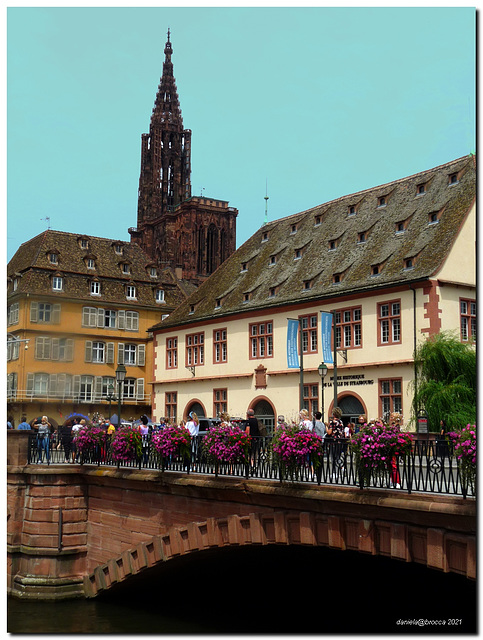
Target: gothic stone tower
(193, 235)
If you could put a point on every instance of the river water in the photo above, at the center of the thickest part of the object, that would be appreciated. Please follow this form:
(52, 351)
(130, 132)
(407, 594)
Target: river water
(265, 590)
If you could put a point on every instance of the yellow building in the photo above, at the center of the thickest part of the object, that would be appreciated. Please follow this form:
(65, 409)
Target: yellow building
(395, 264)
(77, 307)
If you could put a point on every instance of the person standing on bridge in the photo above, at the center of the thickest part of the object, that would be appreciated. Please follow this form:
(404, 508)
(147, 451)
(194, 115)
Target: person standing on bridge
(43, 439)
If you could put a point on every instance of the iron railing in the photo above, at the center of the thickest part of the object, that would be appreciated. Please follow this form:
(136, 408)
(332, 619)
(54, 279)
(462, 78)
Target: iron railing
(430, 467)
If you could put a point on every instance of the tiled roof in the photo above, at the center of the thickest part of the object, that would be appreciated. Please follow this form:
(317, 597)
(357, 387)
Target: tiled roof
(295, 259)
(33, 267)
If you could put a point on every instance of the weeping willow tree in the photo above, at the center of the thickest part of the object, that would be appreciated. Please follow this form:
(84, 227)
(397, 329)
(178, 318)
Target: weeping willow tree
(446, 381)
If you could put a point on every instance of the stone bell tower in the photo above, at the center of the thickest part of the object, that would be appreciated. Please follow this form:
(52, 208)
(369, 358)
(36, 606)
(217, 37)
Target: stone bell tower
(193, 235)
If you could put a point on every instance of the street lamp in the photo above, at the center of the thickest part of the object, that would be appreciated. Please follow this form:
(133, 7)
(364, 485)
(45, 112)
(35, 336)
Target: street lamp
(322, 369)
(110, 397)
(120, 375)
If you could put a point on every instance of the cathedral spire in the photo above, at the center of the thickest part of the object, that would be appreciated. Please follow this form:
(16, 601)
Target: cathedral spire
(166, 105)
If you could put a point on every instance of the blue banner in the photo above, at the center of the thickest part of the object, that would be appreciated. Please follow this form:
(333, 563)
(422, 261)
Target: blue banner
(326, 325)
(292, 352)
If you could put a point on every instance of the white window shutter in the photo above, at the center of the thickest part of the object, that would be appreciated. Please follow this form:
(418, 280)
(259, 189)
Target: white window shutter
(100, 318)
(55, 349)
(69, 349)
(110, 353)
(34, 312)
(88, 353)
(30, 384)
(120, 353)
(76, 388)
(121, 319)
(141, 355)
(97, 388)
(56, 313)
(140, 389)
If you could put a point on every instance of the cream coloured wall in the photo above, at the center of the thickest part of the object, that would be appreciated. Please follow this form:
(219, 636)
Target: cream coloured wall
(460, 265)
(282, 392)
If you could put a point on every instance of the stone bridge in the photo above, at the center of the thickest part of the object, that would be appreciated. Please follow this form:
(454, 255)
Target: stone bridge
(76, 531)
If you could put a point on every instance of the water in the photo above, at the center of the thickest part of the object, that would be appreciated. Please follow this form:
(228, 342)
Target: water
(264, 590)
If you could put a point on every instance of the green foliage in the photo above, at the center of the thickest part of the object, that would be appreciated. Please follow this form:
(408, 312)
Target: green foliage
(446, 384)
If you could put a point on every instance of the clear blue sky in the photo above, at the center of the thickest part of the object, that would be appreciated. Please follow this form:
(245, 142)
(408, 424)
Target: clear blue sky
(319, 102)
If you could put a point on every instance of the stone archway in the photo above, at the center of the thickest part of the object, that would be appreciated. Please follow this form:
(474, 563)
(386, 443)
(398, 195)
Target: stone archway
(435, 548)
(351, 405)
(264, 412)
(197, 407)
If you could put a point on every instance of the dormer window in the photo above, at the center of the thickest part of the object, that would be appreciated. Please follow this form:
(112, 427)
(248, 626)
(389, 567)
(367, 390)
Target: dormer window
(15, 284)
(125, 268)
(192, 308)
(95, 288)
(298, 254)
(265, 236)
(90, 263)
(400, 228)
(131, 292)
(271, 293)
(54, 258)
(57, 283)
(293, 229)
(381, 202)
(352, 210)
(246, 297)
(318, 221)
(421, 189)
(361, 238)
(118, 249)
(218, 303)
(84, 243)
(433, 218)
(153, 272)
(244, 266)
(332, 245)
(273, 260)
(375, 269)
(307, 285)
(160, 296)
(453, 179)
(337, 278)
(409, 263)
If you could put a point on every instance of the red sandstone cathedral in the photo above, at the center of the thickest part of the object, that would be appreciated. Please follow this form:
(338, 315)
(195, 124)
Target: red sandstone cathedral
(191, 234)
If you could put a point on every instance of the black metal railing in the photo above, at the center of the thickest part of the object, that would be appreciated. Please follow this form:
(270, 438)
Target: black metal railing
(428, 468)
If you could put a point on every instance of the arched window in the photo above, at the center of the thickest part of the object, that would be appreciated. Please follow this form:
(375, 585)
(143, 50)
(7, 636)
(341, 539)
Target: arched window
(201, 242)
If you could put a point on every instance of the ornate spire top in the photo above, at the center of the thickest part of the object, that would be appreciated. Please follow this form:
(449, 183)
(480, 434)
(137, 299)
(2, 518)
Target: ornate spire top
(168, 49)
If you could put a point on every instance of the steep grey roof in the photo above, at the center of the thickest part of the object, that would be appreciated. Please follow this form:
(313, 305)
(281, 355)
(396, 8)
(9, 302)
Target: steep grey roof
(266, 271)
(32, 267)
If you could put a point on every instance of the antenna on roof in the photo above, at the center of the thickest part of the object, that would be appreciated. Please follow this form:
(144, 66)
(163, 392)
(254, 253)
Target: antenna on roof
(266, 201)
(47, 219)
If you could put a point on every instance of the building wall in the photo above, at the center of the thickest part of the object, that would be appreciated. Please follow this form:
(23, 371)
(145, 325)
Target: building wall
(70, 327)
(360, 376)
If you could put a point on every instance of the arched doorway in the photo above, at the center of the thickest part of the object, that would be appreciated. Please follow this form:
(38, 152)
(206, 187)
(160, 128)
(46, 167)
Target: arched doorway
(351, 408)
(264, 413)
(197, 407)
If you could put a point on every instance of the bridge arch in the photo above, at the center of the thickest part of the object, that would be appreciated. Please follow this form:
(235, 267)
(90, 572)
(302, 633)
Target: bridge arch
(436, 548)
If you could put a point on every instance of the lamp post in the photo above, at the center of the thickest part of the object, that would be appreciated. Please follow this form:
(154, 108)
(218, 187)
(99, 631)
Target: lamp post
(120, 375)
(110, 398)
(322, 369)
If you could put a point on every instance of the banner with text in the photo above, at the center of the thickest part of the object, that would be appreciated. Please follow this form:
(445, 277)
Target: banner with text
(326, 325)
(292, 353)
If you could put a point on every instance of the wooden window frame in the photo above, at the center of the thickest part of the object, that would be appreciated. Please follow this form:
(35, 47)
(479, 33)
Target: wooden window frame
(172, 352)
(195, 349)
(395, 397)
(352, 324)
(469, 318)
(220, 346)
(258, 339)
(392, 319)
(310, 342)
(171, 405)
(220, 401)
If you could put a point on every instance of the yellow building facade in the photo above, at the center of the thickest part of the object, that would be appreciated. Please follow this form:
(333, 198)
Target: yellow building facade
(77, 308)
